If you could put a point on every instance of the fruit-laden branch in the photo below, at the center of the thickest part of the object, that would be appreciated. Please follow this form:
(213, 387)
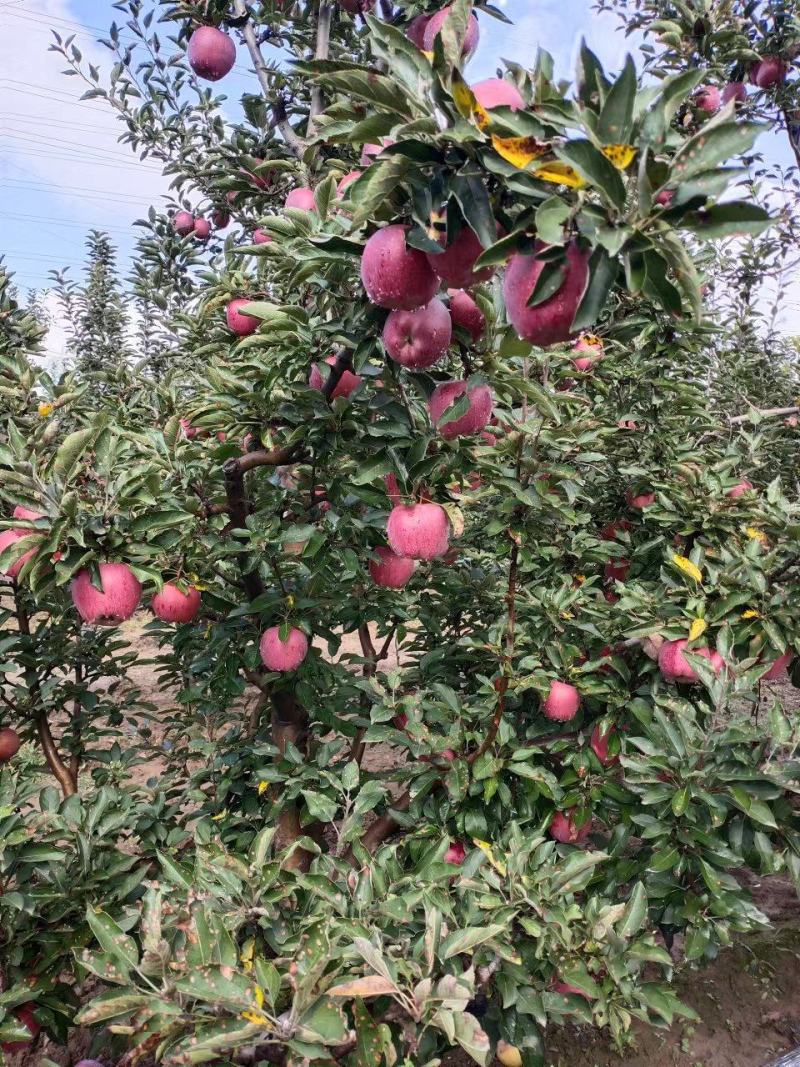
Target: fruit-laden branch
(293, 142)
(55, 763)
(321, 52)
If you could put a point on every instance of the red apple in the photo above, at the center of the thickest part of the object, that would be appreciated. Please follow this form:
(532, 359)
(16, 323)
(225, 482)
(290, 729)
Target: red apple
(456, 853)
(9, 537)
(474, 419)
(115, 601)
(640, 501)
(562, 702)
(347, 180)
(239, 323)
(551, 321)
(261, 238)
(211, 53)
(739, 490)
(415, 31)
(610, 530)
(676, 668)
(394, 275)
(455, 264)
(465, 313)
(344, 387)
(498, 92)
(301, 198)
(417, 339)
(707, 99)
(418, 531)
(768, 71)
(9, 744)
(564, 829)
(665, 197)
(172, 605)
(202, 229)
(779, 667)
(220, 218)
(183, 223)
(389, 570)
(599, 745)
(370, 151)
(434, 26)
(734, 91)
(616, 570)
(278, 655)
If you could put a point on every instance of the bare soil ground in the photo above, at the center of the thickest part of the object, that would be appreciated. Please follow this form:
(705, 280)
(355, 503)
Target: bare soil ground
(748, 1000)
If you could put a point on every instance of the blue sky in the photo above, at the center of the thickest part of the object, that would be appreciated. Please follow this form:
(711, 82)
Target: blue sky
(63, 172)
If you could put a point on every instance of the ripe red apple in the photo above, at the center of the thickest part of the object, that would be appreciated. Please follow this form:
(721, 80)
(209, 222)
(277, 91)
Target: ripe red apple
(183, 223)
(599, 745)
(610, 530)
(434, 26)
(498, 92)
(392, 488)
(261, 238)
(220, 218)
(779, 667)
(189, 431)
(739, 490)
(707, 99)
(89, 1063)
(172, 605)
(239, 323)
(508, 1055)
(563, 829)
(590, 351)
(301, 198)
(665, 197)
(25, 1015)
(415, 31)
(418, 531)
(347, 180)
(456, 853)
(640, 500)
(211, 53)
(418, 338)
(401, 720)
(394, 275)
(455, 264)
(202, 229)
(287, 655)
(8, 537)
(9, 744)
(562, 702)
(464, 312)
(115, 601)
(370, 151)
(389, 570)
(21, 512)
(344, 387)
(676, 668)
(551, 321)
(474, 419)
(734, 91)
(767, 71)
(616, 570)
(566, 989)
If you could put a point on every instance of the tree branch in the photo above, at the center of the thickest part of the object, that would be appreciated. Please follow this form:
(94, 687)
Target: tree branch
(322, 50)
(382, 828)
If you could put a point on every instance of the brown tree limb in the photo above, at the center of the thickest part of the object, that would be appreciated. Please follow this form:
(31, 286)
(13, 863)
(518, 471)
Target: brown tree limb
(357, 748)
(383, 827)
(290, 726)
(324, 14)
(765, 413)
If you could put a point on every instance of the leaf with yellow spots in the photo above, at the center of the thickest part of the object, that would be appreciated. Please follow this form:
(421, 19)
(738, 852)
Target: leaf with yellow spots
(520, 152)
(751, 613)
(262, 788)
(687, 567)
(258, 1018)
(697, 628)
(559, 174)
(486, 849)
(464, 97)
(621, 155)
(756, 535)
(44, 410)
(246, 959)
(222, 814)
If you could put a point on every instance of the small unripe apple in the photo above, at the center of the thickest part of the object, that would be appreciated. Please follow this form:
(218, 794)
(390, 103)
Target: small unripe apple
(277, 655)
(768, 71)
(418, 531)
(455, 265)
(301, 198)
(508, 1055)
(419, 338)
(549, 322)
(498, 92)
(474, 418)
(739, 490)
(456, 853)
(202, 229)
(415, 31)
(434, 26)
(211, 53)
(261, 238)
(238, 322)
(466, 314)
(115, 601)
(564, 829)
(9, 744)
(736, 91)
(183, 223)
(394, 275)
(674, 665)
(344, 387)
(707, 99)
(562, 702)
(389, 570)
(173, 605)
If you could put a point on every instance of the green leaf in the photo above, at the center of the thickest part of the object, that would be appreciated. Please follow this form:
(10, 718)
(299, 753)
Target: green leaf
(550, 217)
(111, 938)
(757, 810)
(726, 220)
(614, 126)
(468, 939)
(593, 166)
(603, 272)
(635, 912)
(712, 146)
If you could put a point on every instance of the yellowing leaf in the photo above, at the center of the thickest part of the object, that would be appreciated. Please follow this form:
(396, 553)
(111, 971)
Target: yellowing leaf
(751, 613)
(519, 151)
(621, 155)
(580, 578)
(246, 959)
(259, 996)
(756, 535)
(486, 849)
(559, 174)
(258, 1018)
(463, 96)
(262, 788)
(373, 985)
(686, 565)
(222, 814)
(697, 628)
(44, 410)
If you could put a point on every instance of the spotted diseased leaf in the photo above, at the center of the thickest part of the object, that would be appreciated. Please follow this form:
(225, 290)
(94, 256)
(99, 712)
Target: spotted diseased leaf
(620, 155)
(697, 629)
(687, 567)
(372, 985)
(111, 938)
(559, 173)
(520, 152)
